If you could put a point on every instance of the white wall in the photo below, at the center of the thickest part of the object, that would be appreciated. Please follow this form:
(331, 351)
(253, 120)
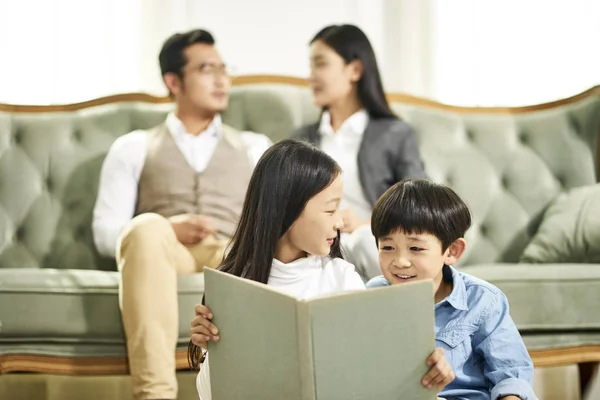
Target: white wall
(64, 51)
(75, 50)
(261, 36)
(514, 52)
(471, 52)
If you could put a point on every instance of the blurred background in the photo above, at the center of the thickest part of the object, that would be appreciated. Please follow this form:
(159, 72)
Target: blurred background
(460, 52)
(463, 52)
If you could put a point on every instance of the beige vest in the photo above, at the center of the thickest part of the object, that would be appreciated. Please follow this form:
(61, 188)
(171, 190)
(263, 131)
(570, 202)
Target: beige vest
(170, 186)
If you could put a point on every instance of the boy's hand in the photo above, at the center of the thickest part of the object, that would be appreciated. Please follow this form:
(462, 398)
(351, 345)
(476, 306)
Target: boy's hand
(202, 329)
(440, 374)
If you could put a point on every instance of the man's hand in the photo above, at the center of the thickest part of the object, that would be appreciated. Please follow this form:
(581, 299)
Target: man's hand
(440, 374)
(351, 220)
(202, 329)
(191, 228)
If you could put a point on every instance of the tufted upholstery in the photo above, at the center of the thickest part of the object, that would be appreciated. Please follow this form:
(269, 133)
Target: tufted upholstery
(49, 169)
(508, 167)
(508, 164)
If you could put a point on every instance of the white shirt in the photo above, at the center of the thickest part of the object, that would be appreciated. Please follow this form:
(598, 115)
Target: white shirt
(343, 147)
(304, 278)
(120, 175)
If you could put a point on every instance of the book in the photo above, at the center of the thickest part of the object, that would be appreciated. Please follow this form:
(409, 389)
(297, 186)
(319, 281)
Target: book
(363, 344)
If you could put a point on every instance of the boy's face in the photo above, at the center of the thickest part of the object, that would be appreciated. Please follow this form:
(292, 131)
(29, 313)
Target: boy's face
(413, 257)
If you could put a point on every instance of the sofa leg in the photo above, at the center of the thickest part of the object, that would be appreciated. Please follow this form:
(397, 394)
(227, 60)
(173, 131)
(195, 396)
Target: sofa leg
(587, 372)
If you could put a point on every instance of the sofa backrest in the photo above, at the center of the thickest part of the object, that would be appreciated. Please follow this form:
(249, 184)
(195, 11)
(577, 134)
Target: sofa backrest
(507, 163)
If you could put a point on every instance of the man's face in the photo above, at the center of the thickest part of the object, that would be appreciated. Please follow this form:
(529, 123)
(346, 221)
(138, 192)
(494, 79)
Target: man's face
(205, 84)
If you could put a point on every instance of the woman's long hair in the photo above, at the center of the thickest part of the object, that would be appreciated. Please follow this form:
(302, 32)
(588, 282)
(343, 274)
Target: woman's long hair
(351, 43)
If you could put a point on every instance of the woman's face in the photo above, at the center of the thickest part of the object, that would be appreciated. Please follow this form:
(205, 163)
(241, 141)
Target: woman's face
(332, 80)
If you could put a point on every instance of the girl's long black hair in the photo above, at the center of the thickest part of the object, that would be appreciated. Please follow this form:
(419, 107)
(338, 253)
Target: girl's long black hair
(286, 177)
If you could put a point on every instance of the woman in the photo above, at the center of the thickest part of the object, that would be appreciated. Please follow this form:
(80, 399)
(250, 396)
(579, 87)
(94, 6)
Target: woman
(374, 148)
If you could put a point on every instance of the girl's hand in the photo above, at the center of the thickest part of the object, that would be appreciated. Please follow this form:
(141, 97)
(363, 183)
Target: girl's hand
(202, 329)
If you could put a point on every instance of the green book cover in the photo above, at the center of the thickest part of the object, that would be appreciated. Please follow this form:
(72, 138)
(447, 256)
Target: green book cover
(365, 344)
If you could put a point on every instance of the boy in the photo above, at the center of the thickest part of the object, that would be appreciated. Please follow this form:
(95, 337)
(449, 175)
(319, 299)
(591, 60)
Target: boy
(419, 227)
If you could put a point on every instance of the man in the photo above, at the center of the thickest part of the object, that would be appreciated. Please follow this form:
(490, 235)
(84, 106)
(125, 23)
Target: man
(169, 200)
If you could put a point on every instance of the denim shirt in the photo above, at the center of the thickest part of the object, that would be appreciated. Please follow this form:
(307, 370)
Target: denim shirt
(480, 340)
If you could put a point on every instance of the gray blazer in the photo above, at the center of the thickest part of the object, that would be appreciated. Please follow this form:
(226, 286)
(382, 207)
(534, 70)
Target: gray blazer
(389, 152)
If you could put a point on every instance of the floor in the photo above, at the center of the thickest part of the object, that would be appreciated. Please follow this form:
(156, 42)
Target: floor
(556, 383)
(562, 383)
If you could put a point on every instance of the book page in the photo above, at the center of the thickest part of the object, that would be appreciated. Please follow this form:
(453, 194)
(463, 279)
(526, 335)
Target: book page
(257, 356)
(368, 344)
(374, 344)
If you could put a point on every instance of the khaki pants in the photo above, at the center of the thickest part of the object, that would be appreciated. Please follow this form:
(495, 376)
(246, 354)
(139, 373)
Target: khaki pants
(150, 257)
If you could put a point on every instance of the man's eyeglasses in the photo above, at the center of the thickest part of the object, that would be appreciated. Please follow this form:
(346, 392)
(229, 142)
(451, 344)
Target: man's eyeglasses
(214, 69)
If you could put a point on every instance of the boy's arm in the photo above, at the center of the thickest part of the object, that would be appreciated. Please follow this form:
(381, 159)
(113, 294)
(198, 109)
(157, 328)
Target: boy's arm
(506, 361)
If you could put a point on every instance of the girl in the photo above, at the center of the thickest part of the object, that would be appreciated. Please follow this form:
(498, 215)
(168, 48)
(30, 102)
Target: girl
(359, 130)
(288, 238)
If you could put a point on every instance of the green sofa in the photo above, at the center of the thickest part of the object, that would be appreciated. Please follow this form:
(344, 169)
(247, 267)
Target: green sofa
(59, 311)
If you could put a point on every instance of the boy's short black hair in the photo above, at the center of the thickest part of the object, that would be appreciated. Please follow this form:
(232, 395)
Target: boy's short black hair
(421, 206)
(172, 56)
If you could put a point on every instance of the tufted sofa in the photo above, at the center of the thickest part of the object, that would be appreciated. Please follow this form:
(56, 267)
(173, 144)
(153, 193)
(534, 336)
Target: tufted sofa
(59, 309)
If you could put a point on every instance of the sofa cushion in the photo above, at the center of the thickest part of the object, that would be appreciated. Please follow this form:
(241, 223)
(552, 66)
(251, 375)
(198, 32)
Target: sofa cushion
(548, 297)
(560, 340)
(492, 158)
(570, 231)
(506, 166)
(73, 312)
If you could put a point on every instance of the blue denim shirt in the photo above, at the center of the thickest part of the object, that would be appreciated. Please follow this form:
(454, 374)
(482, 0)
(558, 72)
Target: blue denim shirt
(480, 340)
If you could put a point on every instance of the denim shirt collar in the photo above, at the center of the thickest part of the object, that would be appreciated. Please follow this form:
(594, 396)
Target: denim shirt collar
(458, 296)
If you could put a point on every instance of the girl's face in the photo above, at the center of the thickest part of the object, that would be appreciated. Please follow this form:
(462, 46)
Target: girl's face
(316, 228)
(332, 80)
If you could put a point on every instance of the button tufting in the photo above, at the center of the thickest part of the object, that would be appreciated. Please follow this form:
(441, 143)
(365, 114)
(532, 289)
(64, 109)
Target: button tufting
(524, 138)
(19, 234)
(17, 137)
(483, 229)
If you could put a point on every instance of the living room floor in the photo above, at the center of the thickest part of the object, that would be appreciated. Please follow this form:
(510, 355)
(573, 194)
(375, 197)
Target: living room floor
(562, 383)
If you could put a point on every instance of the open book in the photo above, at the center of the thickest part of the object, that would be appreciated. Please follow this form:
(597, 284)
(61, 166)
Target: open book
(367, 344)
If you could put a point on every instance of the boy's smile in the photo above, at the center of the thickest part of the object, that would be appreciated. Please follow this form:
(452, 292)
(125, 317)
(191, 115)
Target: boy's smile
(403, 277)
(412, 257)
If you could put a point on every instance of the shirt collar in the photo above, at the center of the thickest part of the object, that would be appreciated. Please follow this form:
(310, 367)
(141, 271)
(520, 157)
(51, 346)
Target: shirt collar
(175, 126)
(356, 123)
(458, 296)
(295, 269)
